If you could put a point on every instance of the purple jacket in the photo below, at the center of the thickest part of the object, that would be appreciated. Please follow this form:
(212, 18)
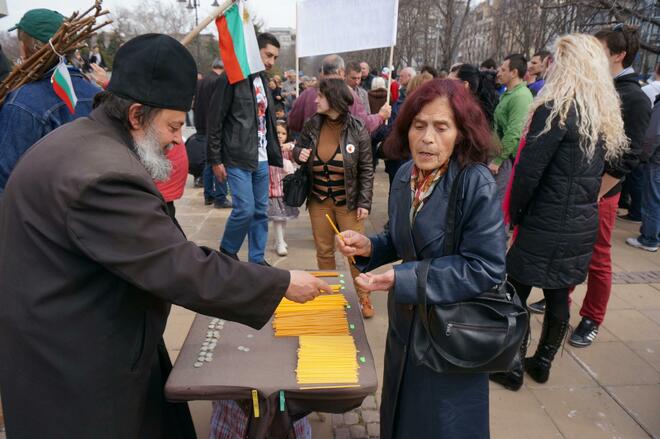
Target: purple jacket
(305, 107)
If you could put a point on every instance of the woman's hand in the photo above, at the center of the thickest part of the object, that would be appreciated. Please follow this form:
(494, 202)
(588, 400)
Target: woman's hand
(375, 282)
(304, 155)
(362, 213)
(351, 243)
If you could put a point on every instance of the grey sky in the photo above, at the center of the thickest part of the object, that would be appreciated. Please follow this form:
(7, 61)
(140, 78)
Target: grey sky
(274, 13)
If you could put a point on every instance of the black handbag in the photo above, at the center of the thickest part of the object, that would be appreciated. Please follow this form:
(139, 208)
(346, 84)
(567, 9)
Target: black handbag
(296, 187)
(482, 334)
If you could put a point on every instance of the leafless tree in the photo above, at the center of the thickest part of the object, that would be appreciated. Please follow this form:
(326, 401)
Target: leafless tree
(451, 22)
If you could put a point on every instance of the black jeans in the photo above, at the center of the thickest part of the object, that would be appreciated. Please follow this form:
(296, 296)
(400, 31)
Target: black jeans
(556, 300)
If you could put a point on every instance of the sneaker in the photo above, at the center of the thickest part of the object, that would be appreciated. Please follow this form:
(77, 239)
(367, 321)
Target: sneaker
(584, 334)
(537, 307)
(208, 201)
(629, 219)
(634, 242)
(281, 249)
(367, 307)
(199, 182)
(264, 263)
(231, 255)
(222, 204)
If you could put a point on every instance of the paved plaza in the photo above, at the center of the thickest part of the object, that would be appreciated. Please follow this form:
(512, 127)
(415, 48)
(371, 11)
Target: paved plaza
(609, 390)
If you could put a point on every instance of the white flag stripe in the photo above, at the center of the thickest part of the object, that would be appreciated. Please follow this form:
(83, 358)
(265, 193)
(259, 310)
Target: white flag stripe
(335, 26)
(250, 38)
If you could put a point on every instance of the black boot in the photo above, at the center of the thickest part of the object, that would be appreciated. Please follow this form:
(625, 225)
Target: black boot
(513, 379)
(553, 334)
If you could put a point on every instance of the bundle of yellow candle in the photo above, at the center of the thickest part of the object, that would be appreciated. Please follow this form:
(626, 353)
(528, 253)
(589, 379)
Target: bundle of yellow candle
(325, 315)
(327, 360)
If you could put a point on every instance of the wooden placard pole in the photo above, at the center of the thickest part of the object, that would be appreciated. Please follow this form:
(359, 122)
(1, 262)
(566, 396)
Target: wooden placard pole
(297, 57)
(389, 79)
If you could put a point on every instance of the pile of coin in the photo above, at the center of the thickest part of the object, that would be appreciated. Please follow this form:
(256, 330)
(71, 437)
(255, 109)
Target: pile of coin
(210, 342)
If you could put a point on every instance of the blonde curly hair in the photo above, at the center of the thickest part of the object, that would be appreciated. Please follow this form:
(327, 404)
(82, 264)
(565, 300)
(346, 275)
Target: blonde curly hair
(579, 77)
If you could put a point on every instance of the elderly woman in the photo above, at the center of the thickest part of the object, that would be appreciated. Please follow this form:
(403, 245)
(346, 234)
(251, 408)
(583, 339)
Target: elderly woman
(337, 150)
(443, 128)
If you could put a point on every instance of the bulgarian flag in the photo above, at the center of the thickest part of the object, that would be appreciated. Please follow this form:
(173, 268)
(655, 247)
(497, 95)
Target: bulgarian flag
(63, 87)
(238, 43)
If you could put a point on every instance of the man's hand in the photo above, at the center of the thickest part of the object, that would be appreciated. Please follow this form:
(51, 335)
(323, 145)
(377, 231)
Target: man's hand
(494, 169)
(304, 287)
(99, 75)
(353, 244)
(304, 155)
(362, 213)
(375, 282)
(606, 185)
(385, 111)
(220, 172)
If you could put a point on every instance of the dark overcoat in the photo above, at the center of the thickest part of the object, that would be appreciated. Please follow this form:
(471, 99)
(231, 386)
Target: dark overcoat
(554, 203)
(417, 402)
(89, 264)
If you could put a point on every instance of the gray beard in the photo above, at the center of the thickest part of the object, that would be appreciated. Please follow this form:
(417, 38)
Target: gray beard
(152, 156)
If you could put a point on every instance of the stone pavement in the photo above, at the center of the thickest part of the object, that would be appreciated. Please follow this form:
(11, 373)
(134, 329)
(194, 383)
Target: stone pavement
(609, 390)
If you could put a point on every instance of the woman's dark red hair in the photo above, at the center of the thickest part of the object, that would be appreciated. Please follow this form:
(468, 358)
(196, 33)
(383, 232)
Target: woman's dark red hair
(474, 142)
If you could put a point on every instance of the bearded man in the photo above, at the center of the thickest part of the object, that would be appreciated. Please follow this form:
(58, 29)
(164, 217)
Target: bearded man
(90, 263)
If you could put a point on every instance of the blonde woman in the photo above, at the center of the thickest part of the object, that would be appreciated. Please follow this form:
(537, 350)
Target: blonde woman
(575, 130)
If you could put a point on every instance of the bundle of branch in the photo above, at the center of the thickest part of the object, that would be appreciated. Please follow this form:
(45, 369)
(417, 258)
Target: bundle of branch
(71, 36)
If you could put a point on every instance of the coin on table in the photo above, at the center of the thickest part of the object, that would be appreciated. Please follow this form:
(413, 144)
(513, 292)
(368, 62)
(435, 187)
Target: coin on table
(250, 335)
(198, 364)
(246, 349)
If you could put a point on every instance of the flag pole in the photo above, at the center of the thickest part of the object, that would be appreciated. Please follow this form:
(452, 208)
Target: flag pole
(205, 22)
(297, 58)
(389, 79)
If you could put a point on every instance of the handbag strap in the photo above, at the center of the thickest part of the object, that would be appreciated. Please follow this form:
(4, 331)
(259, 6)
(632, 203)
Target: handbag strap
(449, 248)
(450, 220)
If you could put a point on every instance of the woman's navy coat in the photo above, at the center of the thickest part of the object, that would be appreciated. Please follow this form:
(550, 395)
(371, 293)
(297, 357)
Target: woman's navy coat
(417, 402)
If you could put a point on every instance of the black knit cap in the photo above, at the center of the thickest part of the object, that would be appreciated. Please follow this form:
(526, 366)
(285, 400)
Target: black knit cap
(155, 70)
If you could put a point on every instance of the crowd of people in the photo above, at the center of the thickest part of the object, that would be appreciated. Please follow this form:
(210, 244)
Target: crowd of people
(547, 150)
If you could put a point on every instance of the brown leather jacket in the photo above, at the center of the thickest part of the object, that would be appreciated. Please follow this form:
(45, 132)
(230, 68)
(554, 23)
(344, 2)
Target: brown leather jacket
(358, 165)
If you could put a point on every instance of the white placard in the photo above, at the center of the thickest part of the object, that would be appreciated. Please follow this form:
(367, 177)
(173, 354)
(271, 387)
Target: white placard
(335, 26)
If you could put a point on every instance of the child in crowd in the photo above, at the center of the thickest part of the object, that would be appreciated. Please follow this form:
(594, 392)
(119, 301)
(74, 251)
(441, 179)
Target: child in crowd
(278, 212)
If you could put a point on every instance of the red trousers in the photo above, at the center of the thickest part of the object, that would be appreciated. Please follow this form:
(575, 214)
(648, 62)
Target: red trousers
(599, 282)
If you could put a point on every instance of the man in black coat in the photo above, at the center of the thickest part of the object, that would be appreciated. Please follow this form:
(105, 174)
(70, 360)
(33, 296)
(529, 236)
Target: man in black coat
(621, 44)
(242, 143)
(215, 191)
(90, 262)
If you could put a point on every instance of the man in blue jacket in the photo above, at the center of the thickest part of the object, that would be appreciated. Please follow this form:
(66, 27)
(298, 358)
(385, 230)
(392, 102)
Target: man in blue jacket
(33, 110)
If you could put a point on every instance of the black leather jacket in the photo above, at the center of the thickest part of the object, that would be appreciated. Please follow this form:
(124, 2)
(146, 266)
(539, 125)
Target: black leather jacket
(232, 125)
(358, 164)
